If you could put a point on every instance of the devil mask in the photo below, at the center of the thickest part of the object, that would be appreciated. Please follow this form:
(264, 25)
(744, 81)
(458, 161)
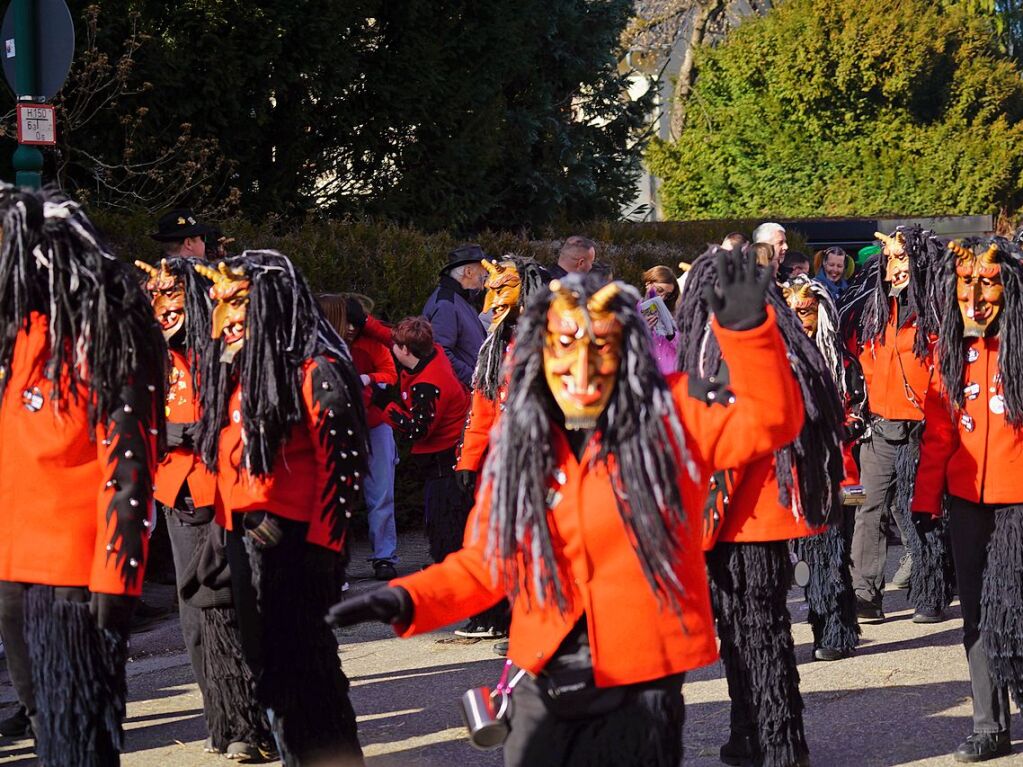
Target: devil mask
(504, 286)
(230, 294)
(582, 353)
(896, 273)
(801, 299)
(167, 294)
(979, 288)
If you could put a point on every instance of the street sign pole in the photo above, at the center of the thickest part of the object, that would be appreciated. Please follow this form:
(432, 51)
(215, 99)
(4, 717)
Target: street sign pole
(28, 160)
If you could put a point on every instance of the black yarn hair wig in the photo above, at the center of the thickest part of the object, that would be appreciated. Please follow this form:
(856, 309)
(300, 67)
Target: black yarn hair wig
(866, 306)
(285, 327)
(103, 337)
(812, 464)
(487, 376)
(640, 430)
(951, 355)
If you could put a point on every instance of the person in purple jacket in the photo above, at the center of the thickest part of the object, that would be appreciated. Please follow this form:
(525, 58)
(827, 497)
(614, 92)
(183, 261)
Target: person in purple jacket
(455, 319)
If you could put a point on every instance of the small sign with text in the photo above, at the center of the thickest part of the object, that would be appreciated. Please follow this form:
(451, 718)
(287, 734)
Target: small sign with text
(36, 124)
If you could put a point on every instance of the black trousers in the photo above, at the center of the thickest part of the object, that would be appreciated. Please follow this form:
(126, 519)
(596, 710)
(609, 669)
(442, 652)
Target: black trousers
(645, 731)
(12, 629)
(184, 539)
(970, 527)
(281, 595)
(869, 551)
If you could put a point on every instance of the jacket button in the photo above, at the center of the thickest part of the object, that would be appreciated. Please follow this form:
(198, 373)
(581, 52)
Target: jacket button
(539, 655)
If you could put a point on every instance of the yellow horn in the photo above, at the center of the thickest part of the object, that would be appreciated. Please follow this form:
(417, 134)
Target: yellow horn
(600, 300)
(491, 267)
(205, 271)
(884, 238)
(147, 268)
(988, 256)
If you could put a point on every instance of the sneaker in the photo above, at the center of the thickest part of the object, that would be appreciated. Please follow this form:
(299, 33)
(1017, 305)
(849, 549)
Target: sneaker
(981, 746)
(242, 752)
(473, 630)
(345, 586)
(901, 578)
(868, 612)
(501, 648)
(828, 654)
(208, 746)
(928, 615)
(740, 750)
(17, 725)
(384, 570)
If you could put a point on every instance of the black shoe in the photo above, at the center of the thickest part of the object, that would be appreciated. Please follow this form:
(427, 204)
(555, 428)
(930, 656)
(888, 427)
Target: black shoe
(740, 750)
(982, 746)
(868, 612)
(829, 653)
(384, 570)
(928, 615)
(501, 648)
(17, 725)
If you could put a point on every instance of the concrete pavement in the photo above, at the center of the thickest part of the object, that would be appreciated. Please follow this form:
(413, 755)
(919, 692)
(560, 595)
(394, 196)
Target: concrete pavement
(903, 699)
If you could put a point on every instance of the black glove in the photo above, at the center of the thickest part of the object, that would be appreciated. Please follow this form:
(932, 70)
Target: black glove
(466, 480)
(381, 396)
(263, 528)
(180, 434)
(113, 611)
(356, 313)
(924, 522)
(390, 604)
(738, 300)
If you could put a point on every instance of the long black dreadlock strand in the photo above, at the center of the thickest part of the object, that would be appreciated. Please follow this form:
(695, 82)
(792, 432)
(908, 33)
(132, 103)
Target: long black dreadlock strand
(640, 429)
(486, 378)
(812, 464)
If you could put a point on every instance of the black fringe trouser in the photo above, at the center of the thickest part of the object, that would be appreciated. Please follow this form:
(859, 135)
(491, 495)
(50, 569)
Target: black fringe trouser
(749, 584)
(1001, 610)
(829, 594)
(281, 596)
(79, 679)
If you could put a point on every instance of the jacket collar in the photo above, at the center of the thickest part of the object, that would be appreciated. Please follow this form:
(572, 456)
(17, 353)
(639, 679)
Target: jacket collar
(447, 281)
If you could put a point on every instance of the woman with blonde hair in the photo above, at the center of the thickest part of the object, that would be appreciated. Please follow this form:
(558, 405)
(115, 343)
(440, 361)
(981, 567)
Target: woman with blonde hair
(661, 282)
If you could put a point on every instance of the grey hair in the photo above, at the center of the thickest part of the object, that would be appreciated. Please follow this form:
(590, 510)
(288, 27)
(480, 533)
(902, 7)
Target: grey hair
(765, 230)
(459, 271)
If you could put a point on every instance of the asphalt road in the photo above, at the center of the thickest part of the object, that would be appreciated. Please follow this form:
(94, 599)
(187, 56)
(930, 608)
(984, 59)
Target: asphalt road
(903, 699)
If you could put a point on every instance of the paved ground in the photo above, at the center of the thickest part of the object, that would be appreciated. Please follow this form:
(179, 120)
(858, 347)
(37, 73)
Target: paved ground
(901, 700)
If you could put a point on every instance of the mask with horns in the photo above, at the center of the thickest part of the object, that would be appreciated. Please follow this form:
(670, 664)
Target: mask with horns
(230, 294)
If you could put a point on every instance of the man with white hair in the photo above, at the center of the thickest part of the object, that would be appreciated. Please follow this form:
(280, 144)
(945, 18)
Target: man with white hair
(774, 235)
(455, 321)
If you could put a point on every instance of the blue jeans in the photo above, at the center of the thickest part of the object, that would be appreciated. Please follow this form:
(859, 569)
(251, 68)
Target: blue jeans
(380, 493)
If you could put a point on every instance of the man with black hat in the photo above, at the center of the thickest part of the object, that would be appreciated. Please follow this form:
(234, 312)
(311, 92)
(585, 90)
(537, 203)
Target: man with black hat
(455, 320)
(182, 234)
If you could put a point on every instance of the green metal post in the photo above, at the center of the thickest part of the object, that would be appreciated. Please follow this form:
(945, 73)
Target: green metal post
(28, 160)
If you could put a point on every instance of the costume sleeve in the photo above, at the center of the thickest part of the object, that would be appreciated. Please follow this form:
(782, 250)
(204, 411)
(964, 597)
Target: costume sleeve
(476, 433)
(127, 449)
(856, 398)
(336, 422)
(937, 444)
(378, 331)
(444, 321)
(384, 371)
(462, 585)
(416, 419)
(760, 410)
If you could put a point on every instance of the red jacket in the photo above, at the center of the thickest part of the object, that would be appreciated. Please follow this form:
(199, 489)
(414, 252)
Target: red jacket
(896, 380)
(633, 638)
(372, 357)
(57, 513)
(432, 407)
(974, 455)
(181, 464)
(483, 414)
(309, 482)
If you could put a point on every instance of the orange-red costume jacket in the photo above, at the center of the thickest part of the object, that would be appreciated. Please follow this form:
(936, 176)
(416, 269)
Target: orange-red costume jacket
(483, 414)
(62, 493)
(181, 464)
(975, 454)
(371, 353)
(896, 380)
(308, 483)
(633, 638)
(432, 405)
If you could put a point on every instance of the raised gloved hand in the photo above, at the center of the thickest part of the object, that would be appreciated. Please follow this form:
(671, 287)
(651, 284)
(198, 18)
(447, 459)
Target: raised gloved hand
(382, 396)
(924, 522)
(112, 611)
(263, 528)
(466, 481)
(180, 435)
(738, 299)
(391, 604)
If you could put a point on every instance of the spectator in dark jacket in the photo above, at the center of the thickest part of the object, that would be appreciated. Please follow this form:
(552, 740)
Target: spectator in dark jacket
(455, 320)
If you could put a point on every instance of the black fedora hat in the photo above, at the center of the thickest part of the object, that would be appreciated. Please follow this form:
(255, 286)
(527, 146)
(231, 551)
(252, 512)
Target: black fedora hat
(179, 224)
(463, 254)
